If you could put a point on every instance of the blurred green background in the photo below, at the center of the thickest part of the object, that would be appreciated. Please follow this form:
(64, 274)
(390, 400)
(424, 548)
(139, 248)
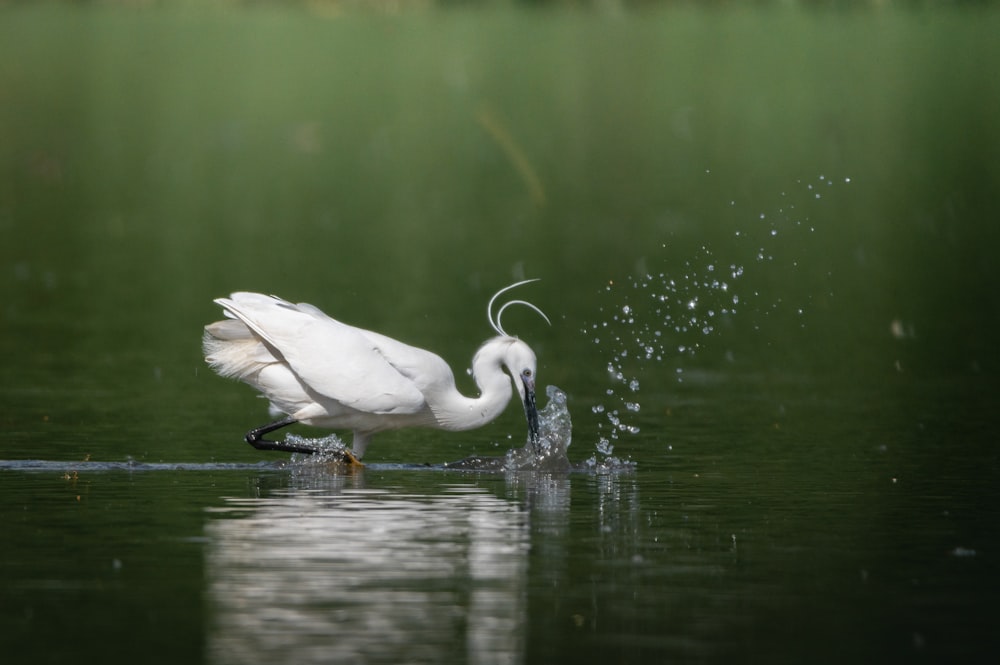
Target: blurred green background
(395, 165)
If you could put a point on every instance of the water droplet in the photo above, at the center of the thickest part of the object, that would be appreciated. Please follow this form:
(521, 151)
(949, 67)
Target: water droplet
(633, 385)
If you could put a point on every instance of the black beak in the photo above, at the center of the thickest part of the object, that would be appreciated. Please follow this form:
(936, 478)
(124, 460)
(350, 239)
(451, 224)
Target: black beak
(531, 412)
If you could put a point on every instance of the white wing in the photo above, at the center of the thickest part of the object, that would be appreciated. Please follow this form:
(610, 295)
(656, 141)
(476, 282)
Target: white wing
(336, 360)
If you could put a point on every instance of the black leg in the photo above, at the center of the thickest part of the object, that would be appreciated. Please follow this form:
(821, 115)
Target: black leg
(254, 438)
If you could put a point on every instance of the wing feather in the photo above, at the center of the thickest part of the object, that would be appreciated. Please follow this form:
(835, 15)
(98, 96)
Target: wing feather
(335, 360)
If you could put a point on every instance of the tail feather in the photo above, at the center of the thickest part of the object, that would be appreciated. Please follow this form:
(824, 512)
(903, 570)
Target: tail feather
(230, 329)
(232, 350)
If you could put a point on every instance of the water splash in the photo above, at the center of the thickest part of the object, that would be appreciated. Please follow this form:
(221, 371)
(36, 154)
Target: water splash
(555, 433)
(657, 318)
(666, 317)
(328, 448)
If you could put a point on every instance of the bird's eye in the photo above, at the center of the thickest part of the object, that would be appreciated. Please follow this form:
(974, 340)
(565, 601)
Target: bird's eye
(526, 372)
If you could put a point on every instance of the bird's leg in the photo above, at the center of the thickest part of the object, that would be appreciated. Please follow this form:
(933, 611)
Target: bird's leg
(352, 455)
(255, 438)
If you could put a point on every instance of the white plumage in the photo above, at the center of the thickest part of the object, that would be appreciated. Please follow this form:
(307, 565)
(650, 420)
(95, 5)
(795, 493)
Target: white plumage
(324, 373)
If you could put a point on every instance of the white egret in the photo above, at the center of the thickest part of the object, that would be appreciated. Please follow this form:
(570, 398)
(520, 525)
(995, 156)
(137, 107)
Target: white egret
(324, 373)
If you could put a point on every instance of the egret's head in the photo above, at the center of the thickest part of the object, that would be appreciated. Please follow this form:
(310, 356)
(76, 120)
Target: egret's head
(517, 356)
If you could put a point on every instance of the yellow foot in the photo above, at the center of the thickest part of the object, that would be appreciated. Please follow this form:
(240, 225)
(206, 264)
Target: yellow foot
(350, 459)
(343, 456)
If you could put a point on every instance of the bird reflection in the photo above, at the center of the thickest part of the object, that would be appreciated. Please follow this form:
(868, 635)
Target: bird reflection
(368, 576)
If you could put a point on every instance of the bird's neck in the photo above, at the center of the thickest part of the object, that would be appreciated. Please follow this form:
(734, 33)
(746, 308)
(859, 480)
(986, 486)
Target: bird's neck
(464, 413)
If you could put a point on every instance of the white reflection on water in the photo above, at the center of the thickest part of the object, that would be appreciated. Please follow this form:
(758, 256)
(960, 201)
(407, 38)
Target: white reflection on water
(367, 576)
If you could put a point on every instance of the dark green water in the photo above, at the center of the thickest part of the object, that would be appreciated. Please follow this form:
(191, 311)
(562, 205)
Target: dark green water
(816, 470)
